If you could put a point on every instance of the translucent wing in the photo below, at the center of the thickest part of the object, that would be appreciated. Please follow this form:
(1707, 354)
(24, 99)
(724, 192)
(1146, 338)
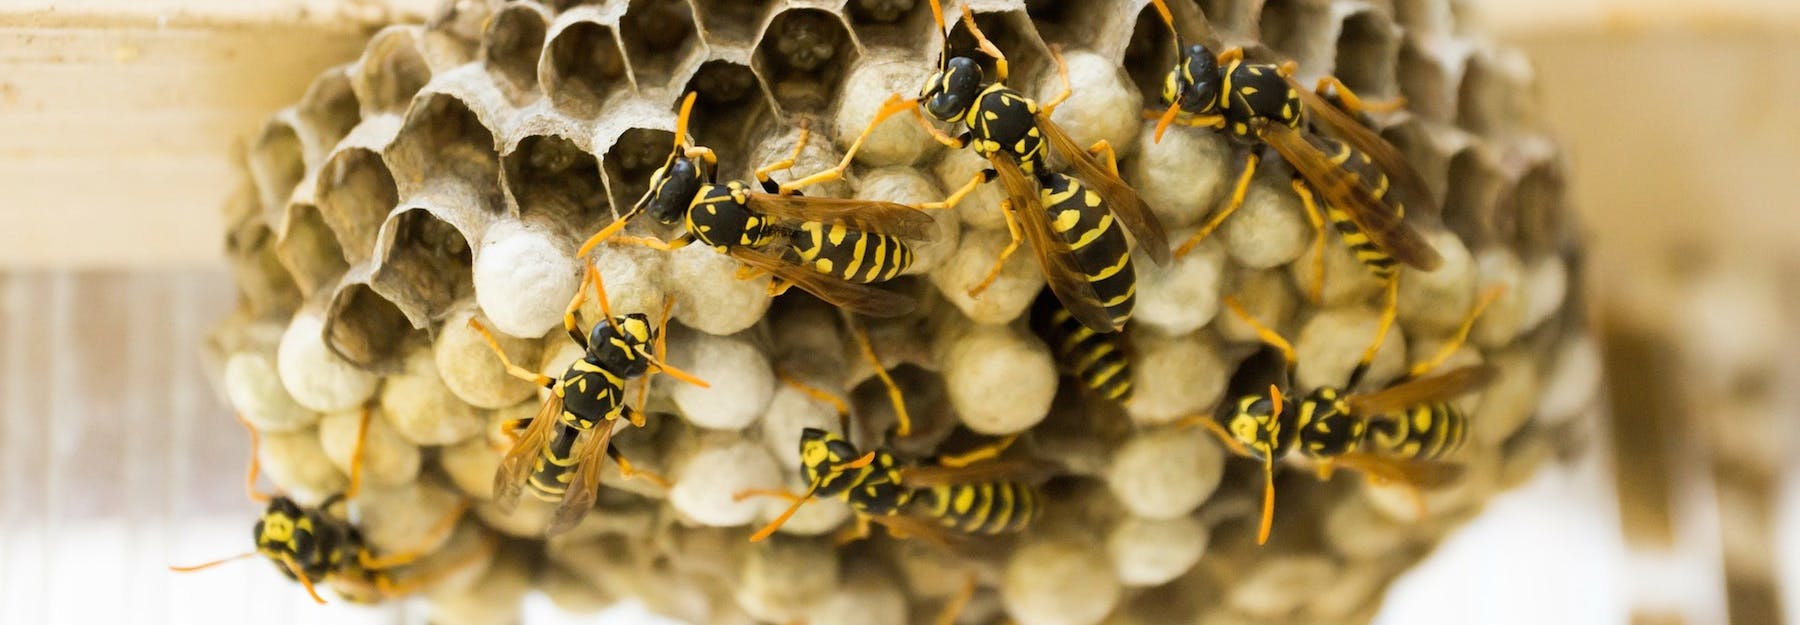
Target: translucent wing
(1384, 154)
(1423, 391)
(1346, 191)
(1118, 196)
(907, 526)
(857, 298)
(584, 487)
(1416, 473)
(866, 215)
(1058, 261)
(517, 464)
(1023, 470)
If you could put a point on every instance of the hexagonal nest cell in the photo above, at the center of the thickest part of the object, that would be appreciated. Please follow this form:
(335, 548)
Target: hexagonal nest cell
(443, 181)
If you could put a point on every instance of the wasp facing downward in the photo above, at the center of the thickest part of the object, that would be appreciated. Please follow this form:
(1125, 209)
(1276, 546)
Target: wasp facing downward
(832, 248)
(1071, 219)
(557, 452)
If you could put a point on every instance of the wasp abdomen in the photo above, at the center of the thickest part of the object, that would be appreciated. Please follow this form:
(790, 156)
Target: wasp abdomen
(1078, 216)
(1372, 178)
(853, 255)
(1097, 359)
(985, 508)
(1427, 432)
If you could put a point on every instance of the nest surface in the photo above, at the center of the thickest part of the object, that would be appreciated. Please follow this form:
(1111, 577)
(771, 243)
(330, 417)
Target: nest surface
(451, 171)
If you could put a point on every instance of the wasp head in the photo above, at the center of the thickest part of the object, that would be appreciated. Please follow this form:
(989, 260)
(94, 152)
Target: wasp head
(620, 349)
(672, 189)
(1193, 84)
(949, 93)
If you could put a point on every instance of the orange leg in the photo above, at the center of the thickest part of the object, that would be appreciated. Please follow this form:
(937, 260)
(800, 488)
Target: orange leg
(1237, 201)
(1007, 210)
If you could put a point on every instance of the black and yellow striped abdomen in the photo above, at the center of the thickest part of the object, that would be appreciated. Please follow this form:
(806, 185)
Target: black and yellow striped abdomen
(852, 255)
(1097, 359)
(1427, 432)
(1372, 178)
(984, 508)
(555, 465)
(1077, 215)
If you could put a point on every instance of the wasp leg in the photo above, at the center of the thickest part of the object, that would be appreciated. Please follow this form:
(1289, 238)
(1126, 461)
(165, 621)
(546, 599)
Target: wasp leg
(746, 272)
(433, 536)
(1269, 336)
(894, 104)
(511, 369)
(987, 47)
(836, 403)
(980, 178)
(986, 452)
(703, 154)
(954, 606)
(1236, 202)
(657, 244)
(389, 587)
(356, 453)
(1462, 332)
(254, 468)
(1314, 215)
(903, 427)
(1354, 104)
(762, 173)
(627, 471)
(1007, 210)
(1389, 310)
(857, 531)
(1062, 72)
(605, 233)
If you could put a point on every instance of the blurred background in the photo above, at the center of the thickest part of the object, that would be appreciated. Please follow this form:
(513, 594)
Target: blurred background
(117, 119)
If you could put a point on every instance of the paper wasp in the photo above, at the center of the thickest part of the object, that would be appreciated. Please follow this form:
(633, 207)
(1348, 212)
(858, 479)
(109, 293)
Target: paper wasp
(320, 546)
(556, 456)
(1099, 359)
(1398, 433)
(1069, 219)
(1258, 104)
(832, 248)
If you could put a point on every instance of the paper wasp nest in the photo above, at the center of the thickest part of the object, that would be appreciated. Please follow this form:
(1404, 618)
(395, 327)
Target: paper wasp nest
(452, 170)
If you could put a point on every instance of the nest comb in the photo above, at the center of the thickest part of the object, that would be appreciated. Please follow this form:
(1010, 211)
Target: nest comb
(450, 172)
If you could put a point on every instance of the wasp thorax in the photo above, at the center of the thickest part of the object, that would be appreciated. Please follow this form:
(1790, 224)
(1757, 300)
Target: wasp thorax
(672, 188)
(949, 94)
(1258, 95)
(1327, 426)
(719, 219)
(1193, 84)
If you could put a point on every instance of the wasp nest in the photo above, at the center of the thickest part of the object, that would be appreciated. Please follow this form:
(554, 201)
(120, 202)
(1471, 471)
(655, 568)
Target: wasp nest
(451, 172)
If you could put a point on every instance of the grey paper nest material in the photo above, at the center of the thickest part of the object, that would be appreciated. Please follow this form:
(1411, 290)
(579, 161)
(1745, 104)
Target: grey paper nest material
(451, 172)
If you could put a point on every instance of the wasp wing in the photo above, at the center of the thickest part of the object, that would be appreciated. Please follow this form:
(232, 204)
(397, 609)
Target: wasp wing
(1416, 473)
(888, 218)
(1348, 192)
(1022, 470)
(1062, 273)
(584, 487)
(1384, 154)
(858, 298)
(1423, 391)
(1117, 196)
(516, 466)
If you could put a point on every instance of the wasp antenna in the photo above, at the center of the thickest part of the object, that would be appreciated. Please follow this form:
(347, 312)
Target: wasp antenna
(1167, 18)
(937, 15)
(207, 565)
(769, 530)
(1168, 117)
(294, 567)
(1268, 511)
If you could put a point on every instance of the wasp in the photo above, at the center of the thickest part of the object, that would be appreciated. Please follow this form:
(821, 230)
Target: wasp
(320, 546)
(962, 494)
(1072, 221)
(1100, 360)
(1260, 104)
(1399, 433)
(832, 248)
(555, 454)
